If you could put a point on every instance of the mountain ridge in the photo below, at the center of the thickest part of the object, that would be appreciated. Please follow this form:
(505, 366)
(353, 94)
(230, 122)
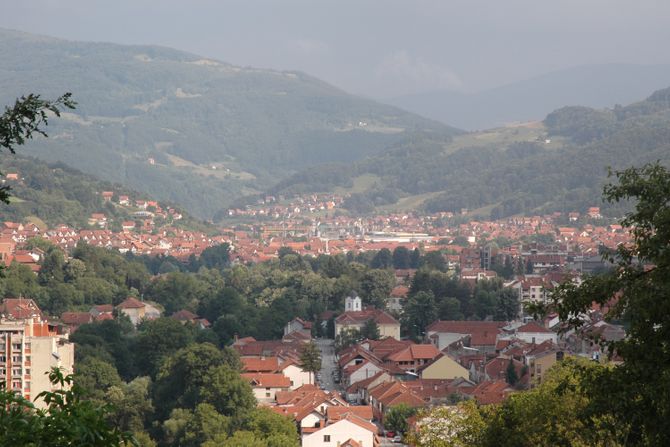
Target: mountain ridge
(190, 129)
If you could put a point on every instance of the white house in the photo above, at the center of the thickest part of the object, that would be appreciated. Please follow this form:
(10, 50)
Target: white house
(265, 386)
(534, 333)
(361, 371)
(350, 428)
(296, 375)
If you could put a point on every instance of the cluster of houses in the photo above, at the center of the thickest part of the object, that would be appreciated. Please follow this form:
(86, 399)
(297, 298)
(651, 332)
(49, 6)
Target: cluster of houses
(457, 360)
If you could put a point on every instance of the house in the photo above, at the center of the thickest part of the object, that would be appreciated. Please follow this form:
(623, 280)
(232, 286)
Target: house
(358, 391)
(360, 371)
(397, 299)
(75, 319)
(133, 309)
(388, 394)
(443, 367)
(102, 312)
(107, 195)
(479, 335)
(539, 360)
(260, 365)
(298, 325)
(184, 316)
(296, 375)
(356, 319)
(491, 392)
(413, 357)
(532, 332)
(351, 430)
(20, 309)
(266, 385)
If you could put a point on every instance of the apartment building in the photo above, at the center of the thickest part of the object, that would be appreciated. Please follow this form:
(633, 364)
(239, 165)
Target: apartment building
(29, 348)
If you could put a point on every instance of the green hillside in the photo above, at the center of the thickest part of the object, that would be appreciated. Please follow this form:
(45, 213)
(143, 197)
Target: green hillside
(558, 165)
(189, 129)
(53, 194)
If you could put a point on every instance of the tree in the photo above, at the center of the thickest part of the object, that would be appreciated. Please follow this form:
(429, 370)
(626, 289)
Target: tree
(278, 430)
(510, 373)
(67, 420)
(420, 311)
(157, 339)
(557, 412)
(27, 117)
(96, 376)
(383, 259)
(370, 330)
(227, 392)
(183, 374)
(310, 359)
(347, 337)
(132, 404)
(508, 304)
(462, 425)
(376, 287)
(193, 429)
(401, 258)
(396, 417)
(635, 393)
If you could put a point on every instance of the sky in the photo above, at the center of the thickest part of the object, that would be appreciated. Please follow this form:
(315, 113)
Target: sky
(375, 48)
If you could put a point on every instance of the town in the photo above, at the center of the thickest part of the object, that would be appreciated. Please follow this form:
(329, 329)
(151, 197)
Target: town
(370, 368)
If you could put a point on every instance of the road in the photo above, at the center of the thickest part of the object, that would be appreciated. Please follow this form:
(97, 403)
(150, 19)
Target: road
(328, 363)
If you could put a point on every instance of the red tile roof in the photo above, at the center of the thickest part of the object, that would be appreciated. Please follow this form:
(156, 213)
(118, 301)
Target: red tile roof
(131, 303)
(263, 380)
(481, 332)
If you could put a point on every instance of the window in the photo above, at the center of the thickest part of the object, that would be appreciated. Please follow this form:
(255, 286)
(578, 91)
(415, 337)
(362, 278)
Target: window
(16, 346)
(28, 371)
(16, 372)
(267, 395)
(326, 438)
(16, 358)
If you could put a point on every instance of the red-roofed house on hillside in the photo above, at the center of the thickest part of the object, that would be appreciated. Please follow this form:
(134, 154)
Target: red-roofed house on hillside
(138, 310)
(76, 319)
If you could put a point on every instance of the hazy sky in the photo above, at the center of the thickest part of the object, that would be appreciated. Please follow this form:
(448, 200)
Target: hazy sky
(378, 48)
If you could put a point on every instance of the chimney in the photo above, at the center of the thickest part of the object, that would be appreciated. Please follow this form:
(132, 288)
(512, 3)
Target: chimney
(236, 337)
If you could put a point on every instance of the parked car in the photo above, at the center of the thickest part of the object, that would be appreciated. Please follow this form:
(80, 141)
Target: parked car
(390, 434)
(397, 439)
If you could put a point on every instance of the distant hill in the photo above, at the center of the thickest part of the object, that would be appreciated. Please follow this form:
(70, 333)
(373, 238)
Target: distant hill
(556, 165)
(530, 100)
(189, 129)
(54, 194)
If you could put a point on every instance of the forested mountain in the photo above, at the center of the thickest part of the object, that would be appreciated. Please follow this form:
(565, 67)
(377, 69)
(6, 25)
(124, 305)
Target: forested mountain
(189, 129)
(53, 194)
(591, 85)
(558, 165)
